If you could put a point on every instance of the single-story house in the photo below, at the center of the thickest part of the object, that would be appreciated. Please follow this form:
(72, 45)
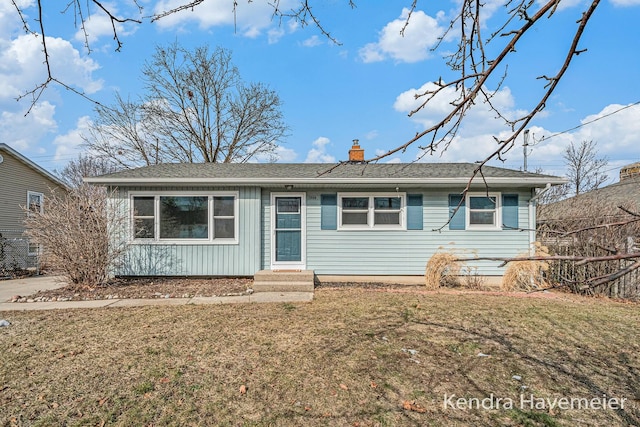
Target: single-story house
(354, 219)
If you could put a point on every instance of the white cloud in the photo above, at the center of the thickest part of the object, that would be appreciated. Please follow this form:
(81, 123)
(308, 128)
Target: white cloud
(98, 25)
(22, 132)
(68, 145)
(22, 67)
(318, 154)
(616, 132)
(373, 134)
(625, 3)
(420, 35)
(251, 19)
(9, 18)
(480, 117)
(312, 41)
(285, 155)
(22, 70)
(274, 35)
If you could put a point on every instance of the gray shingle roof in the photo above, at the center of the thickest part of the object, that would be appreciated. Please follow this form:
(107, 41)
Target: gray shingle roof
(606, 200)
(322, 174)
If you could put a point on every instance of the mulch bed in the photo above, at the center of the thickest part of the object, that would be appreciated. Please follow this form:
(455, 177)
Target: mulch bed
(176, 287)
(148, 287)
(189, 287)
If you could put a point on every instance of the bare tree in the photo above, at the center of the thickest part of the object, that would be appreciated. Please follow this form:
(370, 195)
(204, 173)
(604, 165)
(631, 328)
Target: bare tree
(585, 168)
(78, 232)
(477, 70)
(85, 166)
(196, 108)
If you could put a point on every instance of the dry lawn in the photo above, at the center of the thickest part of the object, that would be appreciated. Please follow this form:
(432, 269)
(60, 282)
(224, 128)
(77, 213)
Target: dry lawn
(352, 357)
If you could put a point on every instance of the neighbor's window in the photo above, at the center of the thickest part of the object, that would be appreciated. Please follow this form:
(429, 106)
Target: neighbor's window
(378, 211)
(483, 210)
(34, 201)
(185, 217)
(34, 249)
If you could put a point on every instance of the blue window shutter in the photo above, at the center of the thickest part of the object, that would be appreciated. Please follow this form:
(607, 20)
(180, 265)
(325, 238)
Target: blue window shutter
(414, 211)
(328, 212)
(510, 211)
(459, 220)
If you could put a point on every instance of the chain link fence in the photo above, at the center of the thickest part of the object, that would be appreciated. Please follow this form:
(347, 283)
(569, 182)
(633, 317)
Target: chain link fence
(17, 255)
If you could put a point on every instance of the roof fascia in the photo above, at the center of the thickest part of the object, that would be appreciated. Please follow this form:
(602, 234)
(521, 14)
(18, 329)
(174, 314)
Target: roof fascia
(33, 165)
(321, 182)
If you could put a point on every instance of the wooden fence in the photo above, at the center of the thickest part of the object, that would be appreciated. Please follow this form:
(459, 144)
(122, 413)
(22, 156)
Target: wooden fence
(577, 277)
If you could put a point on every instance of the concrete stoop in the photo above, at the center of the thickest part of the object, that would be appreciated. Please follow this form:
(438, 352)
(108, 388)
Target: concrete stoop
(284, 281)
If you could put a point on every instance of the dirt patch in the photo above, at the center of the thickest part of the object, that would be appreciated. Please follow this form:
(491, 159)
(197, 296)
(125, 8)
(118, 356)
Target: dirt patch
(156, 287)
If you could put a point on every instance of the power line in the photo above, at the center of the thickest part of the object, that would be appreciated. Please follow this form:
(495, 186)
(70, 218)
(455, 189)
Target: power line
(544, 138)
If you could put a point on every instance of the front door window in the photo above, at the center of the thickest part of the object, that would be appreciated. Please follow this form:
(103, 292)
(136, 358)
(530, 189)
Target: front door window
(288, 229)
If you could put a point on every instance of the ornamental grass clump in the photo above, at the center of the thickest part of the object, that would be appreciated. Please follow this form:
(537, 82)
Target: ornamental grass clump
(526, 275)
(442, 270)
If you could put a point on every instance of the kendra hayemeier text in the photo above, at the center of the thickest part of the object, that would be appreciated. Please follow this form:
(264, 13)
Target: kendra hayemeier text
(532, 402)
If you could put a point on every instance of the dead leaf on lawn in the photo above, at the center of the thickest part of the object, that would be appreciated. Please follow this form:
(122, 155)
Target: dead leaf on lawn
(344, 387)
(164, 380)
(413, 406)
(102, 401)
(243, 389)
(373, 385)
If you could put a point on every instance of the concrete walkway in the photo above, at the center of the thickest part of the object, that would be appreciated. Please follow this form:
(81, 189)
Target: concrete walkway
(28, 286)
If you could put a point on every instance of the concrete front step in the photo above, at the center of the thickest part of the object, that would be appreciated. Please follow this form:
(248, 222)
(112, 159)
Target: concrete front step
(284, 281)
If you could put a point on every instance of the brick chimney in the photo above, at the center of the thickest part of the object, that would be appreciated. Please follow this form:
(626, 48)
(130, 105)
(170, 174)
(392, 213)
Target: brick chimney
(630, 171)
(356, 154)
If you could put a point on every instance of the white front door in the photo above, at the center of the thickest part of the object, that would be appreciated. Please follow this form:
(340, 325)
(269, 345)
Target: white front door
(288, 242)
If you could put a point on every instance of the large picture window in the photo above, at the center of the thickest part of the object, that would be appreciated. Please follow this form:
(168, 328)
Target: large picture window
(372, 211)
(185, 217)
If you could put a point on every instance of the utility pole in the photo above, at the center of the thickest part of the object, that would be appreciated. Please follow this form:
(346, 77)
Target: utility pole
(524, 147)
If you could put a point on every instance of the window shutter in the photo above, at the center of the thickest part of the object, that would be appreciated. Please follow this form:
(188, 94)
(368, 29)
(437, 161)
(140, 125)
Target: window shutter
(328, 211)
(510, 211)
(414, 211)
(458, 220)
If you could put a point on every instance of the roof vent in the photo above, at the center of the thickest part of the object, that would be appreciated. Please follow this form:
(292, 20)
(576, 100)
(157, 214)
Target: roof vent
(356, 154)
(630, 171)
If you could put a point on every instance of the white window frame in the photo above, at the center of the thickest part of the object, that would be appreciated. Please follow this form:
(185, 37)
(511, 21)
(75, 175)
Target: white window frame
(38, 249)
(370, 225)
(498, 212)
(35, 193)
(210, 240)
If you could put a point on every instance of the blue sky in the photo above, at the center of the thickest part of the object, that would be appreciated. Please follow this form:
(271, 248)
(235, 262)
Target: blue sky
(332, 94)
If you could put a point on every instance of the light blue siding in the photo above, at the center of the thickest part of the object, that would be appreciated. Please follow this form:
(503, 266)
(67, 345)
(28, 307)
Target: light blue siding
(396, 252)
(175, 259)
(331, 251)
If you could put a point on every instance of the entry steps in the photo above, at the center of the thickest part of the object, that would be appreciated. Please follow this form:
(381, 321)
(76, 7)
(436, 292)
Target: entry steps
(284, 281)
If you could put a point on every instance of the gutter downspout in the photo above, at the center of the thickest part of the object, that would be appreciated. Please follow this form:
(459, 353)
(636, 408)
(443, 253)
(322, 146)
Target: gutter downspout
(532, 217)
